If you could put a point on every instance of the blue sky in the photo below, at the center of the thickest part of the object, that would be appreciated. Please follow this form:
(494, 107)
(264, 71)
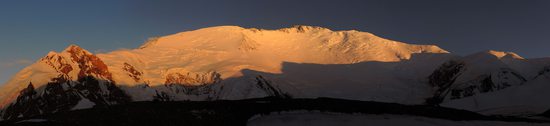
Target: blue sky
(31, 28)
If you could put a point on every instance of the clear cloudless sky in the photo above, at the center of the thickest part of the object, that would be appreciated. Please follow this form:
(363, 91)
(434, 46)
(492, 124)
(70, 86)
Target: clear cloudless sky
(31, 28)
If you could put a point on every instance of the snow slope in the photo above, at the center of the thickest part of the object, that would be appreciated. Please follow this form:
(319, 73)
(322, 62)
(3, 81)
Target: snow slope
(232, 50)
(499, 83)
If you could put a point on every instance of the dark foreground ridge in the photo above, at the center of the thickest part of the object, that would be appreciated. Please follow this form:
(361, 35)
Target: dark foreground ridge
(238, 112)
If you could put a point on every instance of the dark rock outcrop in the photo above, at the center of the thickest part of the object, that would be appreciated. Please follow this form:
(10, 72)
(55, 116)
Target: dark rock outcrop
(270, 89)
(133, 72)
(64, 95)
(443, 78)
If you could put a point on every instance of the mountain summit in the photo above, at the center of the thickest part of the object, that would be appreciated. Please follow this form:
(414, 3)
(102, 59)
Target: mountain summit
(501, 54)
(229, 49)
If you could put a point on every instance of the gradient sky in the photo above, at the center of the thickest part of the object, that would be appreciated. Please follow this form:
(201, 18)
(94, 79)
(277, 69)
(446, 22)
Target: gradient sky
(31, 28)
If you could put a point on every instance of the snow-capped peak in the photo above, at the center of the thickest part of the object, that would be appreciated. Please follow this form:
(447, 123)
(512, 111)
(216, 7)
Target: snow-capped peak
(493, 55)
(230, 49)
(73, 47)
(70, 64)
(501, 54)
(304, 28)
(227, 34)
(235, 38)
(76, 51)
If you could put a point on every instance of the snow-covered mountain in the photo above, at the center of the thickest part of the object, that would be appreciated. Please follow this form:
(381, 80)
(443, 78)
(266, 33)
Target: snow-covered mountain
(492, 82)
(230, 62)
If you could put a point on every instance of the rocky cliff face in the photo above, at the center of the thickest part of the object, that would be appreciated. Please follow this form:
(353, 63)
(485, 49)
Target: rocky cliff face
(192, 79)
(89, 64)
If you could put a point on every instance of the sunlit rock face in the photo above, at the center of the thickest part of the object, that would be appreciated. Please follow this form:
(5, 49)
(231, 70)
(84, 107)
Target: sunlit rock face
(192, 79)
(88, 63)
